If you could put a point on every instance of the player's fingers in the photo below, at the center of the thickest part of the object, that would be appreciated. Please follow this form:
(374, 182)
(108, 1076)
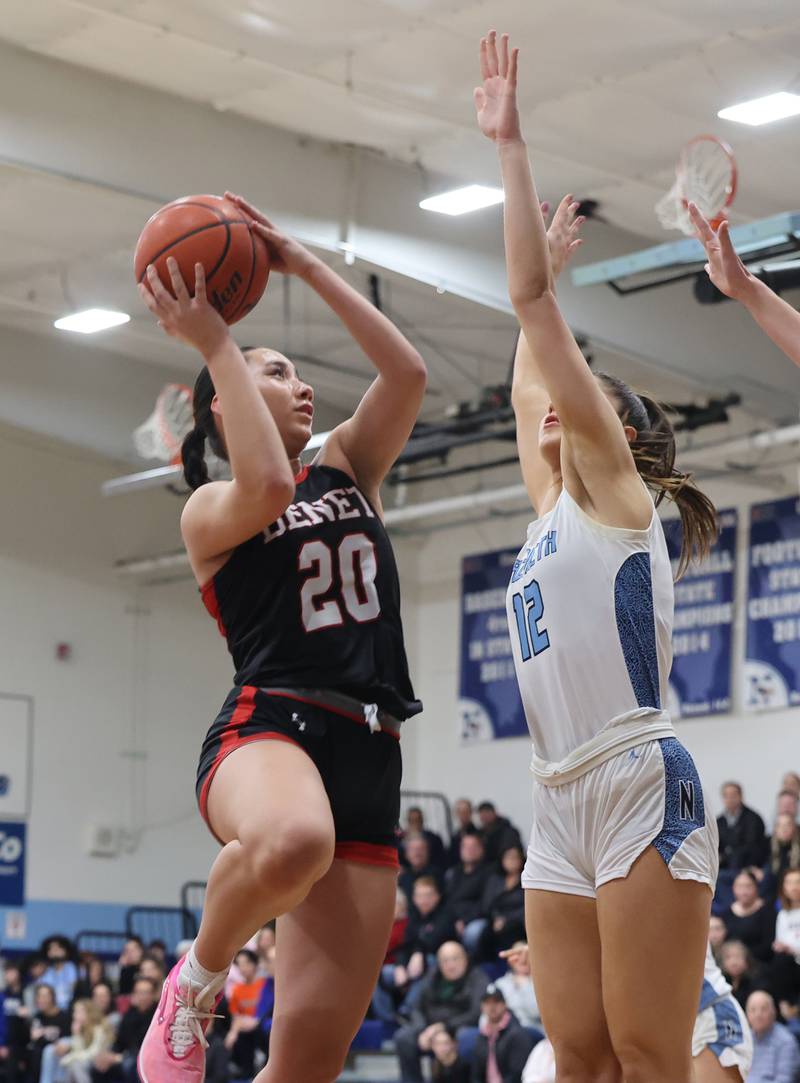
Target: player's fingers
(199, 282)
(176, 278)
(149, 299)
(157, 287)
(725, 242)
(494, 60)
(512, 69)
(700, 223)
(504, 55)
(484, 59)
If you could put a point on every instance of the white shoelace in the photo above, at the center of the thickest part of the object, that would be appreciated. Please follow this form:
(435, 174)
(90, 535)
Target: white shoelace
(371, 717)
(188, 1026)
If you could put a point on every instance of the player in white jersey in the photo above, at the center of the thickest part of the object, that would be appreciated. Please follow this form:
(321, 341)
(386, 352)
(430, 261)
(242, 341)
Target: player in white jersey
(623, 855)
(722, 1045)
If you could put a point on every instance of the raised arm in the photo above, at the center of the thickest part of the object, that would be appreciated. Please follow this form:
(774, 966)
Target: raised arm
(597, 445)
(725, 269)
(368, 444)
(529, 395)
(221, 515)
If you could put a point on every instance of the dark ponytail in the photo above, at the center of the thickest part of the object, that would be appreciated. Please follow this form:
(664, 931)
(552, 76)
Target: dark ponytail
(193, 448)
(654, 454)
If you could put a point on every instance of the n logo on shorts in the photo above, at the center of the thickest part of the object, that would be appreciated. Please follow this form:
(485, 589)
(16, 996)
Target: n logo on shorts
(686, 791)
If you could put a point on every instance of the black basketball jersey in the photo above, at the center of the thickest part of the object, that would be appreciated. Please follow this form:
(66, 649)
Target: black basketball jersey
(313, 601)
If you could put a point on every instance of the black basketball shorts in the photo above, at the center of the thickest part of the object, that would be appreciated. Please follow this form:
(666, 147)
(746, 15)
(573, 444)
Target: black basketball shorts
(361, 767)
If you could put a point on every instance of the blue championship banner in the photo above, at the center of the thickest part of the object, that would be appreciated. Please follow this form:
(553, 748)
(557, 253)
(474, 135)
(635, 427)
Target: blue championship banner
(489, 705)
(772, 659)
(12, 864)
(702, 635)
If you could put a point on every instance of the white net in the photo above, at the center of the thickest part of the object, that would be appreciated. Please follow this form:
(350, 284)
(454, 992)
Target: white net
(161, 435)
(706, 175)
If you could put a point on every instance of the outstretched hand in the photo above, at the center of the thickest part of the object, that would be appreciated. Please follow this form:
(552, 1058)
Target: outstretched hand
(496, 100)
(724, 267)
(562, 236)
(193, 320)
(287, 256)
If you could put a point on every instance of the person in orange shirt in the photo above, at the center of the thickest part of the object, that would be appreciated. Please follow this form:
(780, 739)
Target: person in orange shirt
(243, 1038)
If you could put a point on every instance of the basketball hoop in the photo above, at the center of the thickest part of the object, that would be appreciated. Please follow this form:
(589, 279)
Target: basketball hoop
(706, 174)
(161, 435)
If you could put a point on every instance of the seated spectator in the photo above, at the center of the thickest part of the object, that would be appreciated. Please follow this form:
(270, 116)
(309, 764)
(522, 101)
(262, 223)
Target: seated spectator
(462, 810)
(92, 970)
(265, 949)
(34, 967)
(49, 1024)
(69, 1060)
(158, 950)
(61, 973)
(448, 1066)
(788, 804)
(782, 976)
(749, 919)
(737, 966)
(129, 962)
(429, 926)
(450, 997)
(742, 841)
(504, 905)
(119, 1062)
(465, 884)
(103, 998)
(717, 934)
(415, 825)
(152, 967)
(245, 1037)
(517, 987)
(217, 1057)
(541, 1066)
(791, 782)
(784, 853)
(14, 1024)
(417, 855)
(399, 926)
(497, 832)
(503, 1045)
(776, 1058)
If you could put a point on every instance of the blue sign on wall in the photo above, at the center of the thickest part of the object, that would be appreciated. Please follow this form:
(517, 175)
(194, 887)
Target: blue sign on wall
(702, 637)
(772, 660)
(489, 703)
(12, 864)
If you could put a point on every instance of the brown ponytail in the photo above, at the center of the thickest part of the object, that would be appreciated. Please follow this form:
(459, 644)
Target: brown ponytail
(193, 448)
(654, 454)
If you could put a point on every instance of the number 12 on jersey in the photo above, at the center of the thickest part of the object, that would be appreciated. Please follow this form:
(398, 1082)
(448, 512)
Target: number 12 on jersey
(529, 610)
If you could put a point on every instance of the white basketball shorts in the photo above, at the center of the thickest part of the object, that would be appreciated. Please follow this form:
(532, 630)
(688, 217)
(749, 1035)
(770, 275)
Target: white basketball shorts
(591, 830)
(723, 1028)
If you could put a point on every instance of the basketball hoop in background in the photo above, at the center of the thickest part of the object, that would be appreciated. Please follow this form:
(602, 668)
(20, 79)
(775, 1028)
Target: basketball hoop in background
(161, 435)
(706, 174)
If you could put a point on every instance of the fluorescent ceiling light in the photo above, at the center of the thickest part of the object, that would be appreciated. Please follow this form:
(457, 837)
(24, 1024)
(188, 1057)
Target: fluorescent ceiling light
(463, 200)
(91, 320)
(763, 110)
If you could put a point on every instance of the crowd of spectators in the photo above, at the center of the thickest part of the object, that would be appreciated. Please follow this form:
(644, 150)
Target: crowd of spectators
(443, 995)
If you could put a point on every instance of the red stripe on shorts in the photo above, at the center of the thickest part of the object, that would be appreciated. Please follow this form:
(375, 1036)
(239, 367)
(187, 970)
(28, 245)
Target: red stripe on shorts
(367, 853)
(229, 739)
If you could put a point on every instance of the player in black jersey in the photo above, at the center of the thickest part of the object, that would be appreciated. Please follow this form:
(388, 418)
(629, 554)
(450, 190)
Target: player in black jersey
(299, 775)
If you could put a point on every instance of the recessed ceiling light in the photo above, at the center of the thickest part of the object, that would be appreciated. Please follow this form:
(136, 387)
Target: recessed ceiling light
(463, 200)
(763, 110)
(91, 320)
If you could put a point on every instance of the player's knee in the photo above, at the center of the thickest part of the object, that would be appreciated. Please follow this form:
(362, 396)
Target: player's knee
(587, 1064)
(649, 1064)
(288, 858)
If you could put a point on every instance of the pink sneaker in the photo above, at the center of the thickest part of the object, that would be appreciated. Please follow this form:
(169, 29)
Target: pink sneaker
(174, 1048)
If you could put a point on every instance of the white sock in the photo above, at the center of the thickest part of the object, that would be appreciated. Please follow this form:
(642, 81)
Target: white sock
(192, 973)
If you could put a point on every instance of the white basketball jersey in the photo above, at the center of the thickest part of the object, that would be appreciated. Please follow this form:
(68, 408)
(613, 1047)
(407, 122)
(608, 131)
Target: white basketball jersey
(590, 612)
(715, 987)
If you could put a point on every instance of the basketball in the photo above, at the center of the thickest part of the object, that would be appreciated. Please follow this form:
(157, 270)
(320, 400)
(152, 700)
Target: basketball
(213, 231)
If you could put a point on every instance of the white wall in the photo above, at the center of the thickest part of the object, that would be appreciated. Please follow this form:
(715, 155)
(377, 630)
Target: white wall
(755, 749)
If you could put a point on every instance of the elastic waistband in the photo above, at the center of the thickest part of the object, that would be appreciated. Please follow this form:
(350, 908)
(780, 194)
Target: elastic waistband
(367, 714)
(617, 737)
